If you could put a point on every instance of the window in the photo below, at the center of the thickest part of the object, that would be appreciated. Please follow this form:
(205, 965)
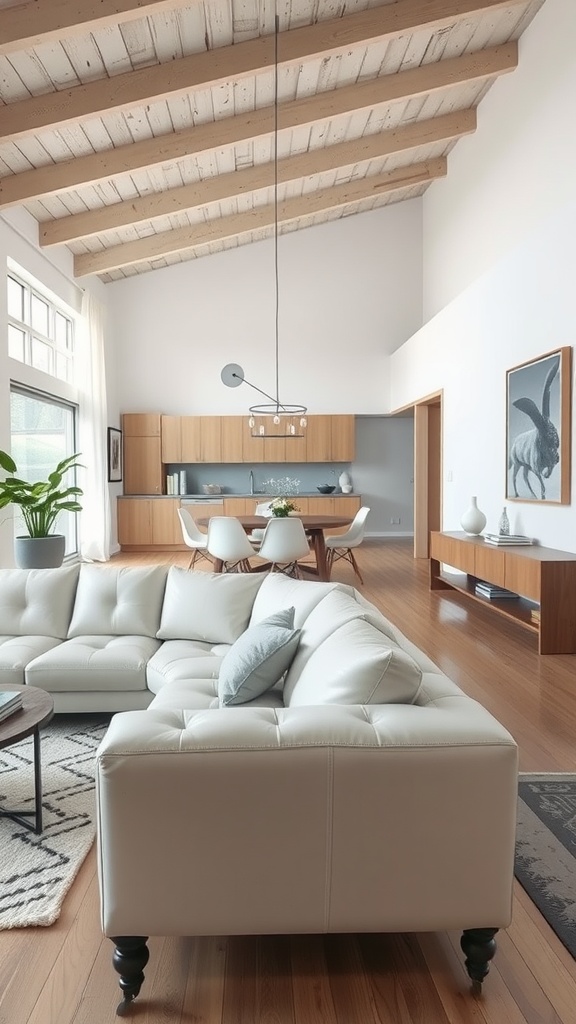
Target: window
(40, 333)
(43, 433)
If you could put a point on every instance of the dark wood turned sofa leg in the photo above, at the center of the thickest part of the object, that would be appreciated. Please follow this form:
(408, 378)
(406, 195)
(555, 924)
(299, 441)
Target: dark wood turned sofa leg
(129, 960)
(478, 946)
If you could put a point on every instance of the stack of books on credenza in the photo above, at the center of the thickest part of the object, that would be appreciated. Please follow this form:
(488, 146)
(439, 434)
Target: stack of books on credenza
(492, 591)
(10, 701)
(501, 539)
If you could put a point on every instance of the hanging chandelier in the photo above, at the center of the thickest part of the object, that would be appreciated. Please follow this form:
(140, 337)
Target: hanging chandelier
(275, 412)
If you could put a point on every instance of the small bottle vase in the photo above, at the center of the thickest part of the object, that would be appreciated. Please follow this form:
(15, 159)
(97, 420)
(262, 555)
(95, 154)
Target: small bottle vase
(504, 524)
(473, 521)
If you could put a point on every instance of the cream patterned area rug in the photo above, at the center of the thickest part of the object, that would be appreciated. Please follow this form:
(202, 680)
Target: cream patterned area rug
(36, 871)
(546, 849)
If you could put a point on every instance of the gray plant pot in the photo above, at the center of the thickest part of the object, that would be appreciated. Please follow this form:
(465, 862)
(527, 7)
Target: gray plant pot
(39, 552)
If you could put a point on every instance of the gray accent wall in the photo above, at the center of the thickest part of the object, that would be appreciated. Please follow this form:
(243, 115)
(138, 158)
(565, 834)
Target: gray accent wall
(383, 473)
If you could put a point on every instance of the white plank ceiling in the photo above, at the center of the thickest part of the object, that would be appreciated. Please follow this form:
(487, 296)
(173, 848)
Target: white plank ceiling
(141, 133)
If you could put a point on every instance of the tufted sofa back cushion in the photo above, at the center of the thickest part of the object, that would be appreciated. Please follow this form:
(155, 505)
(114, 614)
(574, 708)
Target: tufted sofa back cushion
(211, 607)
(118, 602)
(356, 664)
(334, 610)
(37, 602)
(279, 592)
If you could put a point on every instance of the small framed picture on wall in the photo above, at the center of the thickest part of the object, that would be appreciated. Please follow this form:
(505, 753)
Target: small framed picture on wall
(114, 455)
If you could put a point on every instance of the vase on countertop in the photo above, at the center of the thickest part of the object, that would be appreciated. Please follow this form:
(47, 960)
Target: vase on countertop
(504, 524)
(345, 481)
(473, 521)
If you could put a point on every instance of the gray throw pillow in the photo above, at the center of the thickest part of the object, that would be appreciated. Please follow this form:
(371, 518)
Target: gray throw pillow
(258, 658)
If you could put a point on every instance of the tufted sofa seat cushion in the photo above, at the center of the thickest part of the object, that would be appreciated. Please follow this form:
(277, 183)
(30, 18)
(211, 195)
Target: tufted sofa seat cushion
(97, 663)
(184, 660)
(16, 652)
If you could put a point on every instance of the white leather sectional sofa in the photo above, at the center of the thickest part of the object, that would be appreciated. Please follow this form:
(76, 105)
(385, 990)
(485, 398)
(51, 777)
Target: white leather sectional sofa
(358, 790)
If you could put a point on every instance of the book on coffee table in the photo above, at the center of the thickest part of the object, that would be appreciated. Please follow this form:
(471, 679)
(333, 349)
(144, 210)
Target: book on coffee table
(10, 701)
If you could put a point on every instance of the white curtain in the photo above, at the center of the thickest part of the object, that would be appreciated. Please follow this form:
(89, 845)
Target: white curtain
(95, 540)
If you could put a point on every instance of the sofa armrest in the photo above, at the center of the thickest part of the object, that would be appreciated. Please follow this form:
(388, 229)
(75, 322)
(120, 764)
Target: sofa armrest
(307, 819)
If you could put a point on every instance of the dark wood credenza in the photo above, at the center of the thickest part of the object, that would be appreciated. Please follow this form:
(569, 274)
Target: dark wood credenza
(540, 575)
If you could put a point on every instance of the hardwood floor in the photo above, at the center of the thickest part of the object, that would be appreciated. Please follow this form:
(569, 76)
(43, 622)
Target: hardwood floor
(63, 974)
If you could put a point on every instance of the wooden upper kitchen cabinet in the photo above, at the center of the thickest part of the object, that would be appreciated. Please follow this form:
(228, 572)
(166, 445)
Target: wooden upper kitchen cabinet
(343, 438)
(142, 453)
(152, 440)
(232, 430)
(141, 424)
(171, 439)
(191, 439)
(330, 439)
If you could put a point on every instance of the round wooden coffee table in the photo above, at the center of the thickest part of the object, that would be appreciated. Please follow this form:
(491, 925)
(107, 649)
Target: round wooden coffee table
(37, 710)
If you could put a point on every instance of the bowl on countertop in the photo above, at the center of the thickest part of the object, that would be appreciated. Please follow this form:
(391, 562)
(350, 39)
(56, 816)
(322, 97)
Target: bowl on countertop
(326, 488)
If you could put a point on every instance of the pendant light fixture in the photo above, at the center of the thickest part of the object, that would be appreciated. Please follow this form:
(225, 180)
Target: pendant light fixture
(266, 417)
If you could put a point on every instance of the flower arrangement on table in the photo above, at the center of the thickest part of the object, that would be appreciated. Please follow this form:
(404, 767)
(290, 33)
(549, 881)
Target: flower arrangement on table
(282, 507)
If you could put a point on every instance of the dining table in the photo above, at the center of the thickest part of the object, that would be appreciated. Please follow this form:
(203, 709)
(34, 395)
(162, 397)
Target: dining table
(314, 526)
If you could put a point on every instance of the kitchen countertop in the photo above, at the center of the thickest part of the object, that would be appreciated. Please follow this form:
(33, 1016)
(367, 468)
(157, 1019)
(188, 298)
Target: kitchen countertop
(267, 497)
(243, 494)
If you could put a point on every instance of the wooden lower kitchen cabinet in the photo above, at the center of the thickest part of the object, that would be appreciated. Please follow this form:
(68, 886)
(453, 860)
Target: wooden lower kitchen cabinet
(152, 524)
(540, 575)
(149, 523)
(240, 506)
(334, 505)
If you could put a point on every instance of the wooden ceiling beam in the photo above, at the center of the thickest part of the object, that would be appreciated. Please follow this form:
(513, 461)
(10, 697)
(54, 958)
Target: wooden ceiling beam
(183, 239)
(201, 71)
(405, 85)
(34, 22)
(228, 186)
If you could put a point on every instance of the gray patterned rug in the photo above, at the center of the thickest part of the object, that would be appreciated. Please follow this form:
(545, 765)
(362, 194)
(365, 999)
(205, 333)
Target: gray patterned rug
(36, 871)
(546, 849)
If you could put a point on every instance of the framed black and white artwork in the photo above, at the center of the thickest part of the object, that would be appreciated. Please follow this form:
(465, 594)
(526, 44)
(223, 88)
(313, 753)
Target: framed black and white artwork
(538, 429)
(114, 455)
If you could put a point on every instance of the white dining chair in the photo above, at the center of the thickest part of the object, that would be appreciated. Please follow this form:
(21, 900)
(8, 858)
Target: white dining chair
(340, 545)
(284, 542)
(229, 545)
(263, 508)
(193, 537)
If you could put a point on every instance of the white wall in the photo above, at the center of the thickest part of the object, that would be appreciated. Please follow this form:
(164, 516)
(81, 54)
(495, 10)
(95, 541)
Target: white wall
(54, 271)
(515, 171)
(350, 292)
(503, 238)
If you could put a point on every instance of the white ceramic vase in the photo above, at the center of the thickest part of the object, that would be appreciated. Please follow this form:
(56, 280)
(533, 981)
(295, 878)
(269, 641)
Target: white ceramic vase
(473, 521)
(345, 481)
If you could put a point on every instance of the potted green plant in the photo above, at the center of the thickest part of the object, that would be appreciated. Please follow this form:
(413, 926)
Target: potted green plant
(40, 504)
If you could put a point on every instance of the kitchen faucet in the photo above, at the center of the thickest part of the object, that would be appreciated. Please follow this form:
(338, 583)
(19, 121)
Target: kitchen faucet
(251, 482)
